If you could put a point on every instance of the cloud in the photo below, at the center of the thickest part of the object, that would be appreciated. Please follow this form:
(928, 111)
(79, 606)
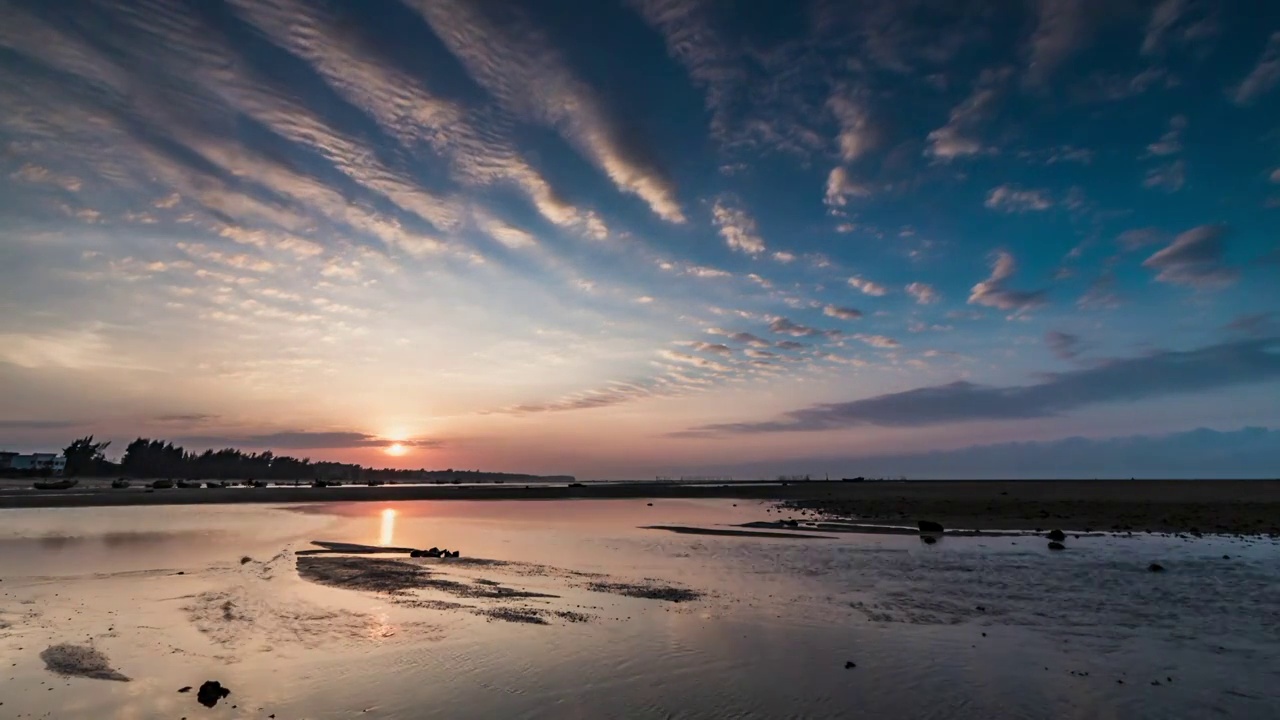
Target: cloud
(841, 187)
(993, 292)
(687, 359)
(1169, 178)
(956, 138)
(505, 233)
(923, 293)
(749, 339)
(1063, 345)
(736, 227)
(1256, 324)
(403, 107)
(1141, 237)
(1063, 27)
(1171, 142)
(1155, 375)
(193, 418)
(1251, 452)
(716, 348)
(38, 175)
(868, 287)
(857, 136)
(760, 354)
(1263, 78)
(791, 345)
(1195, 258)
(1013, 199)
(841, 313)
(880, 341)
(783, 326)
(38, 424)
(786, 257)
(521, 68)
(302, 440)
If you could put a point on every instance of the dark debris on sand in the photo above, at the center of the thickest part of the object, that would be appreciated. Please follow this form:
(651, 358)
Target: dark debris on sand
(649, 590)
(80, 661)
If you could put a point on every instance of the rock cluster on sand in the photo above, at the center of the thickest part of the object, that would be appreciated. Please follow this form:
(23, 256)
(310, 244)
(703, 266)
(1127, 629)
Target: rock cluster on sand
(1056, 535)
(211, 692)
(930, 526)
(435, 552)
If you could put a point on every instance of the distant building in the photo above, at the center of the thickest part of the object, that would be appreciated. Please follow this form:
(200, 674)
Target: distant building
(55, 463)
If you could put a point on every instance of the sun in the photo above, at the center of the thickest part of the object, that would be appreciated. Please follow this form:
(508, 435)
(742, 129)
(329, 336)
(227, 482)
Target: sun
(396, 449)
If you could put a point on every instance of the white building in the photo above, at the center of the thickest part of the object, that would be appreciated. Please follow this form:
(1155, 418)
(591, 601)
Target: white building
(55, 463)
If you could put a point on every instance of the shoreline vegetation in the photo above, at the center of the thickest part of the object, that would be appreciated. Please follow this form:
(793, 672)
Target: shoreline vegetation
(1235, 507)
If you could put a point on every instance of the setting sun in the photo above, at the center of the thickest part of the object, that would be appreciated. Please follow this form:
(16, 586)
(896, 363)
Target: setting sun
(396, 449)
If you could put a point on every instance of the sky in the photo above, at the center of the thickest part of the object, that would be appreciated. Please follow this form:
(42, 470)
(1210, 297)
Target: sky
(626, 238)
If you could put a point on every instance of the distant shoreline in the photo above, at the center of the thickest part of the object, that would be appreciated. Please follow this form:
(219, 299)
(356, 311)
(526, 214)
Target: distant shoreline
(1208, 507)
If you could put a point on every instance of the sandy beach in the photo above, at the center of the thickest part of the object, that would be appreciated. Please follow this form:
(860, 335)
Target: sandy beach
(1208, 507)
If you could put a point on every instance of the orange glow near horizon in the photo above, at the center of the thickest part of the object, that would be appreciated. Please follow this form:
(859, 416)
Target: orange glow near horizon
(396, 449)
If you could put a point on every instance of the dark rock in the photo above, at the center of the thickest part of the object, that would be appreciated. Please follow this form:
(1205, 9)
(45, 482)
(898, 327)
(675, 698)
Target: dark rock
(1155, 567)
(245, 560)
(1057, 546)
(184, 689)
(849, 664)
(415, 553)
(211, 692)
(1057, 535)
(930, 526)
(1226, 557)
(980, 608)
(928, 539)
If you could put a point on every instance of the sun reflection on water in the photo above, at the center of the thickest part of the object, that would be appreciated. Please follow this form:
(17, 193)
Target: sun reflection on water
(388, 528)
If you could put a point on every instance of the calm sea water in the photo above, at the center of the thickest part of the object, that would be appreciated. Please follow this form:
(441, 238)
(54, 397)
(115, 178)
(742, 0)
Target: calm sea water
(966, 628)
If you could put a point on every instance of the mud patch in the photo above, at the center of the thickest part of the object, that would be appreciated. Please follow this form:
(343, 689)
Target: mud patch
(647, 589)
(368, 574)
(80, 661)
(237, 617)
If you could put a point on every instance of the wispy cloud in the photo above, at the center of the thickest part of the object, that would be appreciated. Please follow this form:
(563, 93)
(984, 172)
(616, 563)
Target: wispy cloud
(1063, 345)
(1158, 374)
(1171, 142)
(524, 71)
(923, 293)
(841, 187)
(1013, 199)
(842, 313)
(783, 326)
(1263, 78)
(736, 226)
(867, 287)
(1169, 177)
(957, 138)
(1196, 258)
(994, 291)
(302, 440)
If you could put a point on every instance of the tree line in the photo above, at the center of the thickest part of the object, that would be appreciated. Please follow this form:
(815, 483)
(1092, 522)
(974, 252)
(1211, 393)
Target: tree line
(148, 458)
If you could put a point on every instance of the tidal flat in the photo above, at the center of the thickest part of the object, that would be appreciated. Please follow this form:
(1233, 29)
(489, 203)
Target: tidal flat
(597, 609)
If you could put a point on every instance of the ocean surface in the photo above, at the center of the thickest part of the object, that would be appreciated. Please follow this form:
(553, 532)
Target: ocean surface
(574, 610)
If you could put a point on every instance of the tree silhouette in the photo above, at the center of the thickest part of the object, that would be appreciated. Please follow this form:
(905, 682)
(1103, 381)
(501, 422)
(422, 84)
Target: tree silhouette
(83, 456)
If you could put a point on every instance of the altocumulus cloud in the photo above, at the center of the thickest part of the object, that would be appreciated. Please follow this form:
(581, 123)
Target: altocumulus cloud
(1127, 380)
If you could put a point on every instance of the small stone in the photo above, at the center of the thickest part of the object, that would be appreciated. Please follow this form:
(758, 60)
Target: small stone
(1057, 535)
(849, 664)
(1155, 567)
(184, 689)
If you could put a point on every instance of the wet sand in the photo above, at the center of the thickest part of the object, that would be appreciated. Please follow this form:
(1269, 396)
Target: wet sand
(1185, 506)
(573, 609)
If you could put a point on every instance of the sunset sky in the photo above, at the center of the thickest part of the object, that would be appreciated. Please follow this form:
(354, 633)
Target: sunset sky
(620, 238)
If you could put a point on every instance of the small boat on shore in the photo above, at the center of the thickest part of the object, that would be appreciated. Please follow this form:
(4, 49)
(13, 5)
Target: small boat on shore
(119, 484)
(161, 484)
(55, 484)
